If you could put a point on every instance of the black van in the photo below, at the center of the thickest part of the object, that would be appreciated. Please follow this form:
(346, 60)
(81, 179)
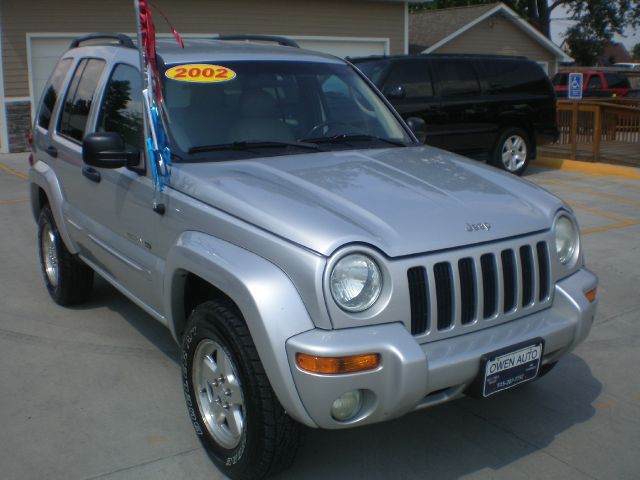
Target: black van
(479, 105)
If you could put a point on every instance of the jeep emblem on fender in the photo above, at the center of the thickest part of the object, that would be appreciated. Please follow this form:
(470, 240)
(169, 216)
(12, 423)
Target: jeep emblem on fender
(476, 227)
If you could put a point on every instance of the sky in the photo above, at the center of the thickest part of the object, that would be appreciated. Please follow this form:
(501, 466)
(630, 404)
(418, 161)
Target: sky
(560, 22)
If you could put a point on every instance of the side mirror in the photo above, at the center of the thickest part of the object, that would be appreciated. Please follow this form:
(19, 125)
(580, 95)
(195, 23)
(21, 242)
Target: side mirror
(394, 92)
(107, 150)
(418, 127)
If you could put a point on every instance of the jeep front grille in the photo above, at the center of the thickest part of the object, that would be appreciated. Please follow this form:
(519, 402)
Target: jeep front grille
(479, 287)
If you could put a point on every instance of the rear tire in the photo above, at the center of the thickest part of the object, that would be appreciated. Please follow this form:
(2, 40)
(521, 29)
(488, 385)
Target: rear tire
(68, 280)
(233, 409)
(513, 150)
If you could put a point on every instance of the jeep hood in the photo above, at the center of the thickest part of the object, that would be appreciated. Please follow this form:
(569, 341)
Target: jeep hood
(400, 200)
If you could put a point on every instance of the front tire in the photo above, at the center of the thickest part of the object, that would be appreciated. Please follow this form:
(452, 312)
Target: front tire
(512, 151)
(68, 280)
(240, 422)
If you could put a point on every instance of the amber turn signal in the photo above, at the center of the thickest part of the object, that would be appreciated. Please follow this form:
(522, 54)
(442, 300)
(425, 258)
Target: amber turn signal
(591, 294)
(337, 365)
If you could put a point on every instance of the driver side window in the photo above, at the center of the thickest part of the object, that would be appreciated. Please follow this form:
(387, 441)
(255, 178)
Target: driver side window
(121, 109)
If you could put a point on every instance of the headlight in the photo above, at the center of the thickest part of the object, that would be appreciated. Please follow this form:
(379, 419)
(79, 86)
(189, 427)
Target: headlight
(356, 282)
(566, 238)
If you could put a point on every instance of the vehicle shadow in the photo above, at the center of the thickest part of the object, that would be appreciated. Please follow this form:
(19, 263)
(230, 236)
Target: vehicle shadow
(459, 438)
(444, 442)
(106, 296)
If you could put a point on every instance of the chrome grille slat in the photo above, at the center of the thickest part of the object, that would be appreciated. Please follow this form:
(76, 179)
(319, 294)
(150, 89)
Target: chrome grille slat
(458, 292)
(518, 283)
(477, 267)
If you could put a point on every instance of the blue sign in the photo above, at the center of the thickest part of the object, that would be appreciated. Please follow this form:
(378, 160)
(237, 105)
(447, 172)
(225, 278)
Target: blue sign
(575, 86)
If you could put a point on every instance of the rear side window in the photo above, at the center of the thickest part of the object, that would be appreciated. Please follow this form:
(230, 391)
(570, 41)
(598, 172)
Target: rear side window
(561, 79)
(79, 97)
(456, 78)
(50, 94)
(414, 77)
(513, 76)
(595, 83)
(121, 110)
(616, 80)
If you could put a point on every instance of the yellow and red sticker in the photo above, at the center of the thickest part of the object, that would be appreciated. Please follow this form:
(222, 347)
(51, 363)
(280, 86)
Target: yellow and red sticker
(200, 73)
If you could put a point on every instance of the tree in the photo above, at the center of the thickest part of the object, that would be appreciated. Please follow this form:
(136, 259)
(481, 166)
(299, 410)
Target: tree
(602, 18)
(585, 46)
(635, 51)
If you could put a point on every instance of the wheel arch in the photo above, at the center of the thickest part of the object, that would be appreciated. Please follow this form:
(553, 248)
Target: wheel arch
(44, 189)
(201, 267)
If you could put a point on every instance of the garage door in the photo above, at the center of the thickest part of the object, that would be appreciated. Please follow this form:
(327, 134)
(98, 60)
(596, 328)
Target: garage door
(345, 47)
(45, 53)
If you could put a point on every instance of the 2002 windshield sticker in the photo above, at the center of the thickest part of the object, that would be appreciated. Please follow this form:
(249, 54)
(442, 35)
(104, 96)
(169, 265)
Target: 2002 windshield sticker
(200, 73)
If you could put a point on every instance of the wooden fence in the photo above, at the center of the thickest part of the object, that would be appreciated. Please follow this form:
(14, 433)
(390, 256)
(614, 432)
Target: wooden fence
(598, 123)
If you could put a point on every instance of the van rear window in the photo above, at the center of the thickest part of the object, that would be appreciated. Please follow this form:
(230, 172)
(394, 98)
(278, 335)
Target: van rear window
(516, 76)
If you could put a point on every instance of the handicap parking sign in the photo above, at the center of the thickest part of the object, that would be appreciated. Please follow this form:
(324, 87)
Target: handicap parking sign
(575, 85)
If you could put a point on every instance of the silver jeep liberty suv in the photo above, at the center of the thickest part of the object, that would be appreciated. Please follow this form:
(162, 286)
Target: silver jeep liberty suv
(317, 264)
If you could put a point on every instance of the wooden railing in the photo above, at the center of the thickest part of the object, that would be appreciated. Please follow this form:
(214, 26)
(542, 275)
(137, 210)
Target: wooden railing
(597, 121)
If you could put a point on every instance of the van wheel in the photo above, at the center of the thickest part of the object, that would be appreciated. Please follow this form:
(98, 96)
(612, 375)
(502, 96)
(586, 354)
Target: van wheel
(68, 280)
(512, 151)
(234, 411)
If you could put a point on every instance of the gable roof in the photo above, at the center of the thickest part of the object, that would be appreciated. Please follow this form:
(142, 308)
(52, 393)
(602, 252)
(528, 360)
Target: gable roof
(432, 29)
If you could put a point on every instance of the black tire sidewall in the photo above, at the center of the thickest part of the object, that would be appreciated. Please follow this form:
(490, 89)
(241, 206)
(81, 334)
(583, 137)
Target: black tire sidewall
(204, 324)
(497, 153)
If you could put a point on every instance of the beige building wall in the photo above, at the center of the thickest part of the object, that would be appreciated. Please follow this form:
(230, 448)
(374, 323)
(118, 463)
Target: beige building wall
(500, 36)
(338, 18)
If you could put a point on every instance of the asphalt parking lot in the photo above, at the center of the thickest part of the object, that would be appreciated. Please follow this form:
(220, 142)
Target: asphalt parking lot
(94, 391)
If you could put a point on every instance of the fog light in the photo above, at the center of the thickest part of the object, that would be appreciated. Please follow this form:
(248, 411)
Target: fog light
(347, 405)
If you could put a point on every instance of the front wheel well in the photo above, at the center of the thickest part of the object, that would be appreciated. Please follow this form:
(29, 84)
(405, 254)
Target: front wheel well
(195, 291)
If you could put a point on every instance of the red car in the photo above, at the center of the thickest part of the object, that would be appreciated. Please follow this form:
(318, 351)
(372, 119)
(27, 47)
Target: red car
(594, 84)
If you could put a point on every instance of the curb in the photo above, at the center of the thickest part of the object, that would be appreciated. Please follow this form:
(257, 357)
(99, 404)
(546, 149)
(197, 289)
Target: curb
(588, 167)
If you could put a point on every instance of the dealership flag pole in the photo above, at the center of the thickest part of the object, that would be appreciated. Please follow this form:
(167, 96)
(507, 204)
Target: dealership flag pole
(156, 139)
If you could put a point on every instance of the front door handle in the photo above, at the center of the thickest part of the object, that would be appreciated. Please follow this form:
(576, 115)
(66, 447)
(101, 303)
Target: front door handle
(51, 150)
(91, 173)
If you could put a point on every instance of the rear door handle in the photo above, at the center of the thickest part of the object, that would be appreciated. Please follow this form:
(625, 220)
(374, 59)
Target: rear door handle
(51, 150)
(91, 173)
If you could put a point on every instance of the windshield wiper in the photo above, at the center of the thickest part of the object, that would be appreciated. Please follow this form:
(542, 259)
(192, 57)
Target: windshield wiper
(252, 145)
(346, 138)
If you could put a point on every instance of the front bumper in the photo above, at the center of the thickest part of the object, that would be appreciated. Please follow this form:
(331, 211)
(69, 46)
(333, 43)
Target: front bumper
(413, 376)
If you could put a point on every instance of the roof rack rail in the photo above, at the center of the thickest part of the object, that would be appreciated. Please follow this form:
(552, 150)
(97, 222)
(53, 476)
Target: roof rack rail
(284, 41)
(122, 39)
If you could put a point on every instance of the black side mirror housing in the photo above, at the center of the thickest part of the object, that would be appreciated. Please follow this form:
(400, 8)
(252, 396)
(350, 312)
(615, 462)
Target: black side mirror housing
(107, 150)
(394, 92)
(418, 127)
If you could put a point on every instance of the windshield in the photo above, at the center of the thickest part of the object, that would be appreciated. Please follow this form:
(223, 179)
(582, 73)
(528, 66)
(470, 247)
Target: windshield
(276, 108)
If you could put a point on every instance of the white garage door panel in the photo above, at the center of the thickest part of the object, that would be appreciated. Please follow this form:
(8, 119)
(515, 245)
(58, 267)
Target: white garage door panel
(45, 53)
(345, 48)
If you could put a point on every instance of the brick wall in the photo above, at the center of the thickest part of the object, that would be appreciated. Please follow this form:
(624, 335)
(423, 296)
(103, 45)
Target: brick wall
(19, 123)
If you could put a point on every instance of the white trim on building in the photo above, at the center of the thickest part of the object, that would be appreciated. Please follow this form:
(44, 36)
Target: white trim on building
(4, 129)
(515, 18)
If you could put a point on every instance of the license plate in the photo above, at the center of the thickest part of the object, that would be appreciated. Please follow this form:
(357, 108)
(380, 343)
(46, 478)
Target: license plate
(511, 366)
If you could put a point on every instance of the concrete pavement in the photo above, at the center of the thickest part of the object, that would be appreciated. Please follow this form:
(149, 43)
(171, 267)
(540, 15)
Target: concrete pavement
(94, 391)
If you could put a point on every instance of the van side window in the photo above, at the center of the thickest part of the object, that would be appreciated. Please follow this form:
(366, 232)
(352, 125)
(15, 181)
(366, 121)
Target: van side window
(51, 90)
(121, 109)
(617, 80)
(456, 77)
(514, 76)
(414, 77)
(77, 103)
